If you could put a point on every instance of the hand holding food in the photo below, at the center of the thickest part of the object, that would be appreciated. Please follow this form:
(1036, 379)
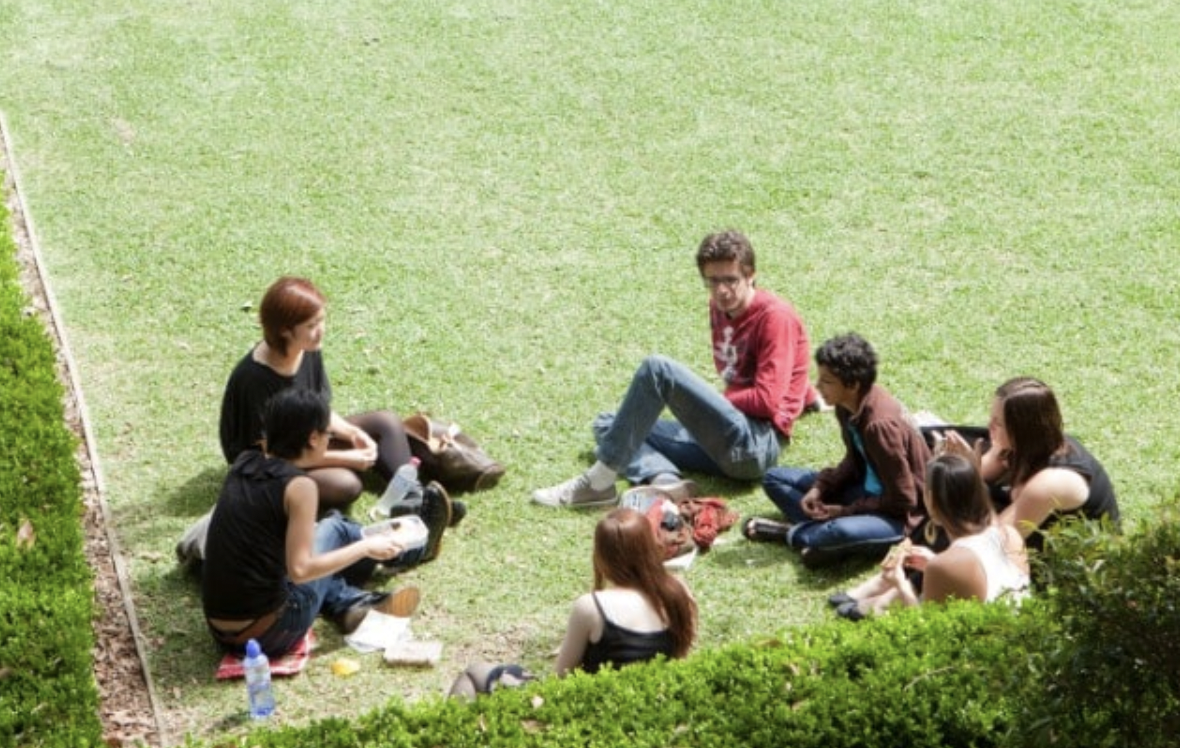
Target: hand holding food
(897, 555)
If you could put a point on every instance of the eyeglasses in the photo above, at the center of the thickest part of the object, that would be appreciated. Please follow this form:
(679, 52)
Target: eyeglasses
(714, 282)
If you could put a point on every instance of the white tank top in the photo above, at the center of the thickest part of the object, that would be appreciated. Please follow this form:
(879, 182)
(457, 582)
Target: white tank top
(1004, 577)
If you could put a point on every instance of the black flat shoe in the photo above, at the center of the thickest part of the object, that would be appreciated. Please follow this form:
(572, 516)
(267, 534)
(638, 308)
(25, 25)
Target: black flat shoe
(765, 530)
(458, 512)
(840, 598)
(436, 514)
(850, 611)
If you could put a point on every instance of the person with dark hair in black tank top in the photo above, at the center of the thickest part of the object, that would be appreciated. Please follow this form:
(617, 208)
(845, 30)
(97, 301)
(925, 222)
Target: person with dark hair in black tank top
(270, 567)
(1038, 474)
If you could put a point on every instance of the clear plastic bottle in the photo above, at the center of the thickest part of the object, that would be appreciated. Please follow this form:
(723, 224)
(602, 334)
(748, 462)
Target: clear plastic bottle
(670, 516)
(403, 484)
(258, 688)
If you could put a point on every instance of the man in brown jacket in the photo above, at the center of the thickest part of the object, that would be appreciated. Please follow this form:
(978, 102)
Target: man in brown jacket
(872, 498)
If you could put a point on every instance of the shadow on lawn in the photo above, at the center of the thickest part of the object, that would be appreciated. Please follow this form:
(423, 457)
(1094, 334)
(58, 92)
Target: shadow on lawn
(197, 495)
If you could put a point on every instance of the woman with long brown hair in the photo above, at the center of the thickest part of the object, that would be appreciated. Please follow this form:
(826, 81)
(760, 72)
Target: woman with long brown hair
(985, 561)
(1037, 471)
(637, 610)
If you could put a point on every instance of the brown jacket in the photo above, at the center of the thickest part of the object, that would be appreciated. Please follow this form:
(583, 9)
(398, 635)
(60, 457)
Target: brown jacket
(896, 451)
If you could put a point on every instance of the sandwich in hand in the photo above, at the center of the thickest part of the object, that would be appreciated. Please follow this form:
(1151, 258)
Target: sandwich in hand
(897, 555)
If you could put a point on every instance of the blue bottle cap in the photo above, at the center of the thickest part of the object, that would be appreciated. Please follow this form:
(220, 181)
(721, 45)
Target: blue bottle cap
(252, 648)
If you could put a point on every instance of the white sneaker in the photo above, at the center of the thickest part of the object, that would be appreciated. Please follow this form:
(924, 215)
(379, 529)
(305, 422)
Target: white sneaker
(576, 493)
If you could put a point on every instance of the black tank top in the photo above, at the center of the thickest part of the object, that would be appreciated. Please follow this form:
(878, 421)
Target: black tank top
(1100, 502)
(245, 569)
(619, 646)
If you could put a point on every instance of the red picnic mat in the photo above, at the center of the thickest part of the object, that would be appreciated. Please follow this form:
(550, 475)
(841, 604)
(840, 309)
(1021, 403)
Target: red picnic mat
(289, 664)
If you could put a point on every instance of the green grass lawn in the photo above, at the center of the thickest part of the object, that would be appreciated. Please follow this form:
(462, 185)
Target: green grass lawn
(502, 199)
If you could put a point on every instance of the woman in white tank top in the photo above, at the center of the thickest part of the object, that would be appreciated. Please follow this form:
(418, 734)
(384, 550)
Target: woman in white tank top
(985, 561)
(999, 551)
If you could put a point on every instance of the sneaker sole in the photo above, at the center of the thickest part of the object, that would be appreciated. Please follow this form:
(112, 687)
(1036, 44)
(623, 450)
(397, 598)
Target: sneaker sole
(434, 545)
(596, 504)
(640, 497)
(401, 603)
(678, 491)
(611, 500)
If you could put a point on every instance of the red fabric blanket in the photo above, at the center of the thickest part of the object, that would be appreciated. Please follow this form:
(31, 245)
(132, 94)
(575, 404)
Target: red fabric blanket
(700, 521)
(708, 518)
(289, 664)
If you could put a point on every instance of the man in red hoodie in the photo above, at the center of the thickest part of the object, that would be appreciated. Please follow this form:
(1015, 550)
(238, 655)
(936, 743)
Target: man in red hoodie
(761, 352)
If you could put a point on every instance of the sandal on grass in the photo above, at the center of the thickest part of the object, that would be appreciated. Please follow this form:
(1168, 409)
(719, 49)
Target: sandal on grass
(769, 530)
(840, 598)
(850, 612)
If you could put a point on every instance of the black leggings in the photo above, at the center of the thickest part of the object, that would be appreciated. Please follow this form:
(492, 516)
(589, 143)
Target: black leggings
(340, 486)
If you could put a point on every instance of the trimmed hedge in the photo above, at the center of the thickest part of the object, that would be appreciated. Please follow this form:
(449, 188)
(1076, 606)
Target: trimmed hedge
(1108, 669)
(47, 691)
(923, 678)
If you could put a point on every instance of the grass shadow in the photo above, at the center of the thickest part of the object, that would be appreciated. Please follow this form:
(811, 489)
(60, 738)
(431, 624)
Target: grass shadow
(738, 554)
(198, 494)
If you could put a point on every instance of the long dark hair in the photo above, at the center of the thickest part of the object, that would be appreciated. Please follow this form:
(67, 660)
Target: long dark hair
(1032, 421)
(626, 554)
(957, 497)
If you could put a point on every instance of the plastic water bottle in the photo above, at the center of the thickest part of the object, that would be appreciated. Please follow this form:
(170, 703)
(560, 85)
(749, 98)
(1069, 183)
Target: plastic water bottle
(670, 516)
(257, 666)
(403, 483)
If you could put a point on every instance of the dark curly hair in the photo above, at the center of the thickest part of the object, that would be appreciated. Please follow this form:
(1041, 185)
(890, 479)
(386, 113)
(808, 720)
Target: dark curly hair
(850, 358)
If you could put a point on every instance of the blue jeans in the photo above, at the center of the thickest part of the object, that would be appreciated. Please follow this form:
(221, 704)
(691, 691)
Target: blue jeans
(330, 594)
(858, 534)
(709, 434)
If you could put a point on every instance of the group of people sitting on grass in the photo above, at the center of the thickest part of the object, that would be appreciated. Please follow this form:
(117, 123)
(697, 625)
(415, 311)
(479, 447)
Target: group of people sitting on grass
(956, 505)
(960, 520)
(279, 550)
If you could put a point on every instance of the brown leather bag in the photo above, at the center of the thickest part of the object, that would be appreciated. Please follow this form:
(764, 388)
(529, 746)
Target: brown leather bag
(449, 456)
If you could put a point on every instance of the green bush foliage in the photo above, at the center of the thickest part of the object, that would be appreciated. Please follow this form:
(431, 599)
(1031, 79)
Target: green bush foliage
(928, 677)
(1108, 671)
(47, 690)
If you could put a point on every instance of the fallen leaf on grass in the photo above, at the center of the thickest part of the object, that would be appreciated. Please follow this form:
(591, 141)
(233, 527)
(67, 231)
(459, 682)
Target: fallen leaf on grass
(345, 666)
(25, 537)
